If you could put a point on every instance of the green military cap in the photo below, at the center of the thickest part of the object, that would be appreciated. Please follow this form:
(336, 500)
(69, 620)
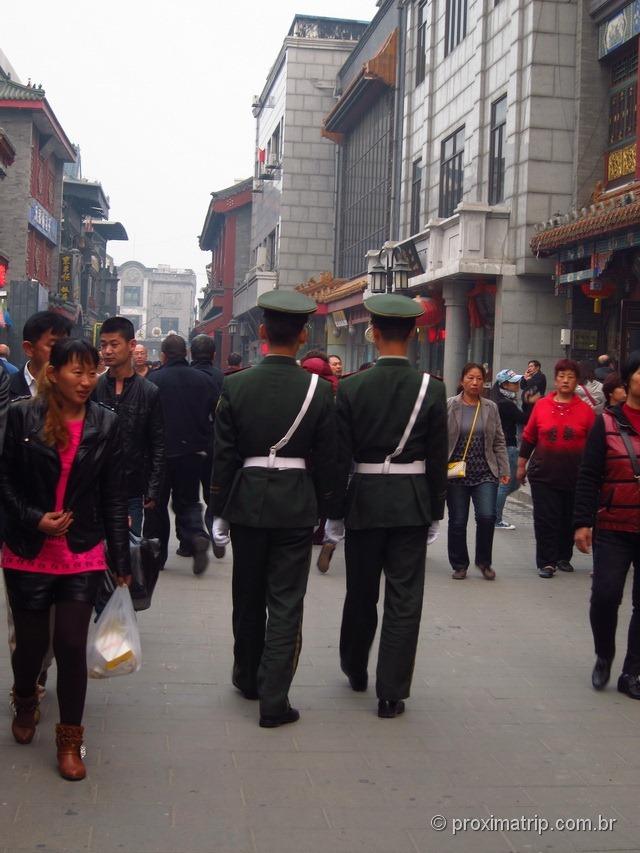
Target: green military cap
(287, 302)
(393, 305)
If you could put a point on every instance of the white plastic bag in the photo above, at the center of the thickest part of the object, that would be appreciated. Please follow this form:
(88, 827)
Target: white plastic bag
(113, 646)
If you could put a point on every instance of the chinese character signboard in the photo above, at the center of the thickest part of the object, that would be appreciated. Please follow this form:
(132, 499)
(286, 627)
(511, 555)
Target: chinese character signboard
(69, 277)
(624, 25)
(43, 221)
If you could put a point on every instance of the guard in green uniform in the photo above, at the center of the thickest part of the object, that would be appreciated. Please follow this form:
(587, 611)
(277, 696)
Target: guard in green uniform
(274, 467)
(392, 422)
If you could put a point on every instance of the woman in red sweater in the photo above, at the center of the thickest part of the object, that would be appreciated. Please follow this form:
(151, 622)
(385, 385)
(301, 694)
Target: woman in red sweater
(63, 495)
(553, 442)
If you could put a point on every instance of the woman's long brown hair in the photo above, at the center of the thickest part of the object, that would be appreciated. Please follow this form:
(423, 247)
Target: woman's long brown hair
(56, 432)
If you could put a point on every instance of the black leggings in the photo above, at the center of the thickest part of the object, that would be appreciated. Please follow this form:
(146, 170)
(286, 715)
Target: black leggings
(69, 647)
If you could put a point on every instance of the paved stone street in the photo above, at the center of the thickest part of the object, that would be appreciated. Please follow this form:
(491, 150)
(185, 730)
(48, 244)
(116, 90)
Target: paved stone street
(502, 723)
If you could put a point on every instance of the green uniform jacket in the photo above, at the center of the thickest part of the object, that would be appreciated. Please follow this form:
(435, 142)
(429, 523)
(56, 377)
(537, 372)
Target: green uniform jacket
(373, 410)
(255, 410)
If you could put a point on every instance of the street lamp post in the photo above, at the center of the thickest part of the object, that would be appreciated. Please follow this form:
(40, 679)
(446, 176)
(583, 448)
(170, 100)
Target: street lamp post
(389, 271)
(233, 328)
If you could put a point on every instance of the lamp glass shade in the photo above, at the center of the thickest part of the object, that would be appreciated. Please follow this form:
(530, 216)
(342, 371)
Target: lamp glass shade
(401, 275)
(233, 327)
(378, 278)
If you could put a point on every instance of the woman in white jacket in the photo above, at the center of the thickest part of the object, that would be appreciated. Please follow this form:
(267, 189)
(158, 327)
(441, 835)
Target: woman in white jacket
(589, 389)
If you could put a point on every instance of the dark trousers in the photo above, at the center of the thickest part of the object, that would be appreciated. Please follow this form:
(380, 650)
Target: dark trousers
(400, 552)
(613, 553)
(181, 483)
(459, 497)
(552, 523)
(270, 573)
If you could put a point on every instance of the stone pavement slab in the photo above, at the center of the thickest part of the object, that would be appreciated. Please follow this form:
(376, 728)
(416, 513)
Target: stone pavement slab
(502, 725)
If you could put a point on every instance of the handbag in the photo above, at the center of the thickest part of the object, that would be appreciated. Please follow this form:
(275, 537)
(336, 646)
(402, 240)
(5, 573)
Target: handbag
(145, 568)
(456, 470)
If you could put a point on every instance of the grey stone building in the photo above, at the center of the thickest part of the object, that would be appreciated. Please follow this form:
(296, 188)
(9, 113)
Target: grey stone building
(490, 124)
(293, 205)
(158, 301)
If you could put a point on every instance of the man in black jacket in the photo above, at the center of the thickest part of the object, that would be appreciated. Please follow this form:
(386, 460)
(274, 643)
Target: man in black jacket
(533, 382)
(188, 403)
(203, 350)
(39, 334)
(137, 403)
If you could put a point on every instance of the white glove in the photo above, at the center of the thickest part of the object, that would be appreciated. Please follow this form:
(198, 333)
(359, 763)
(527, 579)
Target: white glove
(334, 530)
(220, 532)
(433, 532)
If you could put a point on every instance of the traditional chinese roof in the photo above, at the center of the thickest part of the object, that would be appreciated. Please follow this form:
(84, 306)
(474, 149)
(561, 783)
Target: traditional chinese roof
(222, 202)
(16, 96)
(88, 197)
(330, 289)
(12, 91)
(597, 220)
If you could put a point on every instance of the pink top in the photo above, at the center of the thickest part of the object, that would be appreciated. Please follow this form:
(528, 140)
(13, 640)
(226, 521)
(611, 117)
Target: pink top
(55, 557)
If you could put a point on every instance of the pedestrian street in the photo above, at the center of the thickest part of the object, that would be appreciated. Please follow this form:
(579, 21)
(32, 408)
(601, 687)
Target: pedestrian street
(502, 723)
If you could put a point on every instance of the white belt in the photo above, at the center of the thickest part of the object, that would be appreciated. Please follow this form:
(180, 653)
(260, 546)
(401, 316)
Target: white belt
(277, 463)
(418, 467)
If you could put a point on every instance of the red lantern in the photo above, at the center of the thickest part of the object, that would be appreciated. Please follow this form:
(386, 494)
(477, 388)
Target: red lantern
(433, 311)
(598, 289)
(3, 273)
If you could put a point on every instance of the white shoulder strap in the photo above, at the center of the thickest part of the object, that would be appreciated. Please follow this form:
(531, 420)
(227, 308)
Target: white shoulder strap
(294, 426)
(411, 423)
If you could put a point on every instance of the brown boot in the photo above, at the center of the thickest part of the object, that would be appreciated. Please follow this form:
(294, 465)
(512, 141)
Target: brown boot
(71, 751)
(26, 711)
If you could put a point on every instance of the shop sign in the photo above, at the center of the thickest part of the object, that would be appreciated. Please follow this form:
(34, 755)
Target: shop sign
(43, 221)
(69, 277)
(623, 26)
(340, 319)
(621, 162)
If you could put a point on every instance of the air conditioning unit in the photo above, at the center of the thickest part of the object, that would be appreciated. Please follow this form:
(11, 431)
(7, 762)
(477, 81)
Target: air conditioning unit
(261, 257)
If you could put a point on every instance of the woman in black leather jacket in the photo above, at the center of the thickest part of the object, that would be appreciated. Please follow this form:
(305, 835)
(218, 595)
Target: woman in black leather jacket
(63, 496)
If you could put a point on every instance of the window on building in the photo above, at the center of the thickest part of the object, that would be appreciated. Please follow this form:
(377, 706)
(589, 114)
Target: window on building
(496, 150)
(365, 187)
(272, 250)
(623, 98)
(421, 42)
(451, 173)
(131, 296)
(455, 24)
(169, 324)
(416, 196)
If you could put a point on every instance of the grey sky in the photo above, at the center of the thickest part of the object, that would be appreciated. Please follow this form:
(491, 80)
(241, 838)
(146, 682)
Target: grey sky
(158, 96)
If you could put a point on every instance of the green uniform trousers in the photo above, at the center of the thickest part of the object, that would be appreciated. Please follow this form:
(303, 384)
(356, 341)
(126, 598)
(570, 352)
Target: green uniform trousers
(401, 553)
(270, 573)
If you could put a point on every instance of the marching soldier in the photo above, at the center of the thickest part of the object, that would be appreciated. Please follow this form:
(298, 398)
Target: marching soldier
(392, 421)
(271, 422)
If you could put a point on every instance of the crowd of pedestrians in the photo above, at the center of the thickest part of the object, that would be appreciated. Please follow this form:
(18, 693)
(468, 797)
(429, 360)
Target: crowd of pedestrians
(269, 457)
